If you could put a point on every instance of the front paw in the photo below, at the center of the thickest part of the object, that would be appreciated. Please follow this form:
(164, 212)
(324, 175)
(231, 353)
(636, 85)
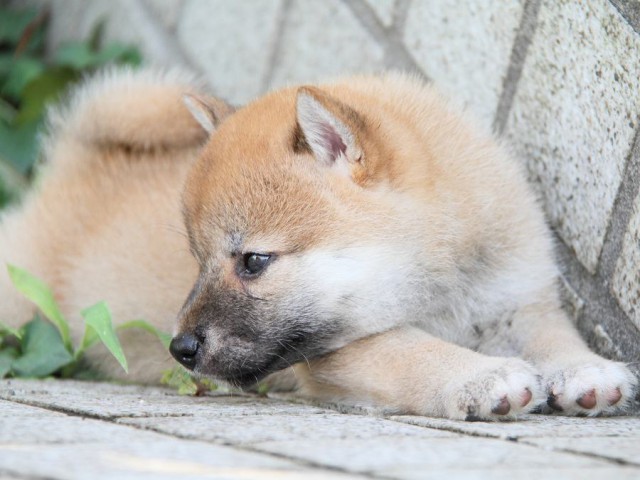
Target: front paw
(591, 386)
(498, 390)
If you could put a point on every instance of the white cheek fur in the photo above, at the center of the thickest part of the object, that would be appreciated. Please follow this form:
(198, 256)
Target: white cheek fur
(362, 285)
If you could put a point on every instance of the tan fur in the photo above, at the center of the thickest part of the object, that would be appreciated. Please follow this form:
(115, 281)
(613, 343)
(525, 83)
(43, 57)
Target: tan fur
(103, 222)
(409, 269)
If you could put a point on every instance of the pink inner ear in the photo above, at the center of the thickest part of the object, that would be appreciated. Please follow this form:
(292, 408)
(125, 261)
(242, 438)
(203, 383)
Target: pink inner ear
(332, 141)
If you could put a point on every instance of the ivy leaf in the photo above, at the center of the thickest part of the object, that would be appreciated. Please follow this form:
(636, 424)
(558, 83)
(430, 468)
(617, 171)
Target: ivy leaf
(164, 337)
(39, 293)
(98, 318)
(43, 350)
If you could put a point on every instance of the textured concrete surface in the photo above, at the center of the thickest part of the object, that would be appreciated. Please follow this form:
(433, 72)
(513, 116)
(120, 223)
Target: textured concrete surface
(323, 33)
(626, 279)
(216, 43)
(472, 63)
(67, 430)
(574, 116)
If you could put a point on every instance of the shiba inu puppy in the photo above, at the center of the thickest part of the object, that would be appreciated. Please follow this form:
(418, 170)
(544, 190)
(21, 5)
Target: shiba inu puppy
(360, 232)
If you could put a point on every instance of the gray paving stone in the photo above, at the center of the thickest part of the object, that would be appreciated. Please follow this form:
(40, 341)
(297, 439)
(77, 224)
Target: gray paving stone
(500, 472)
(54, 445)
(132, 460)
(323, 40)
(465, 48)
(539, 426)
(626, 278)
(384, 10)
(166, 11)
(264, 428)
(126, 22)
(230, 42)
(410, 457)
(573, 116)
(11, 409)
(620, 448)
(110, 400)
(25, 425)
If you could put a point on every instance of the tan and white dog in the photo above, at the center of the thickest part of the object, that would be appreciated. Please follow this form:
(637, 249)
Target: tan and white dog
(360, 232)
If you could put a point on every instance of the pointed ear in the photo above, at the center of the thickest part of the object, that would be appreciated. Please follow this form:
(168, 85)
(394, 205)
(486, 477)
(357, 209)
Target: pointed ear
(328, 126)
(208, 111)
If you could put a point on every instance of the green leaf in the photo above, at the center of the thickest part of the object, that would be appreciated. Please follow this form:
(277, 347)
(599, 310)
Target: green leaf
(43, 89)
(40, 294)
(118, 53)
(43, 351)
(7, 356)
(96, 35)
(22, 71)
(77, 55)
(19, 145)
(16, 332)
(13, 22)
(98, 317)
(181, 380)
(164, 337)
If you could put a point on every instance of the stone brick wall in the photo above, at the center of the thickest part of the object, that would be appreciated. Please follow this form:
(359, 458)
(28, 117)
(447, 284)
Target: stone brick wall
(558, 79)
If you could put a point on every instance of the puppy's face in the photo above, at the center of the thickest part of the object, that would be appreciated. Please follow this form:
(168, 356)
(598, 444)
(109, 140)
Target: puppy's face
(292, 237)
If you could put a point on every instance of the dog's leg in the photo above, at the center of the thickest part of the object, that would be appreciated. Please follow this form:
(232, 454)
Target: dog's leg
(410, 371)
(577, 380)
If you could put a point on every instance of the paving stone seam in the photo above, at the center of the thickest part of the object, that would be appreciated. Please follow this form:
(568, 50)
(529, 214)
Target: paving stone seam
(590, 455)
(390, 39)
(621, 213)
(522, 440)
(156, 17)
(519, 50)
(146, 428)
(248, 448)
(6, 473)
(400, 14)
(601, 308)
(630, 11)
(170, 39)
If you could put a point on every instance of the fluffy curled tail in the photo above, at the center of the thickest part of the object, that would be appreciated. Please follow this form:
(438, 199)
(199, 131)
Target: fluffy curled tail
(132, 111)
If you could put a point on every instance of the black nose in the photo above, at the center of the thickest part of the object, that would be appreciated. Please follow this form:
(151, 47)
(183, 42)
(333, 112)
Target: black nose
(184, 348)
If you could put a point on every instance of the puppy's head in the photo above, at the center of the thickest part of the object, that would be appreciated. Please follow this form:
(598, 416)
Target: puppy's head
(288, 215)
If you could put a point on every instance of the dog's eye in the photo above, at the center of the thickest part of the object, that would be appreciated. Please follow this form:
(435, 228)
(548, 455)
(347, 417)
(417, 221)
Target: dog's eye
(254, 263)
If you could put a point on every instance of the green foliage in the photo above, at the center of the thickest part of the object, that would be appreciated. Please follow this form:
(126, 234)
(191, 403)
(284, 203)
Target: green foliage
(40, 294)
(29, 80)
(42, 347)
(98, 320)
(183, 381)
(42, 351)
